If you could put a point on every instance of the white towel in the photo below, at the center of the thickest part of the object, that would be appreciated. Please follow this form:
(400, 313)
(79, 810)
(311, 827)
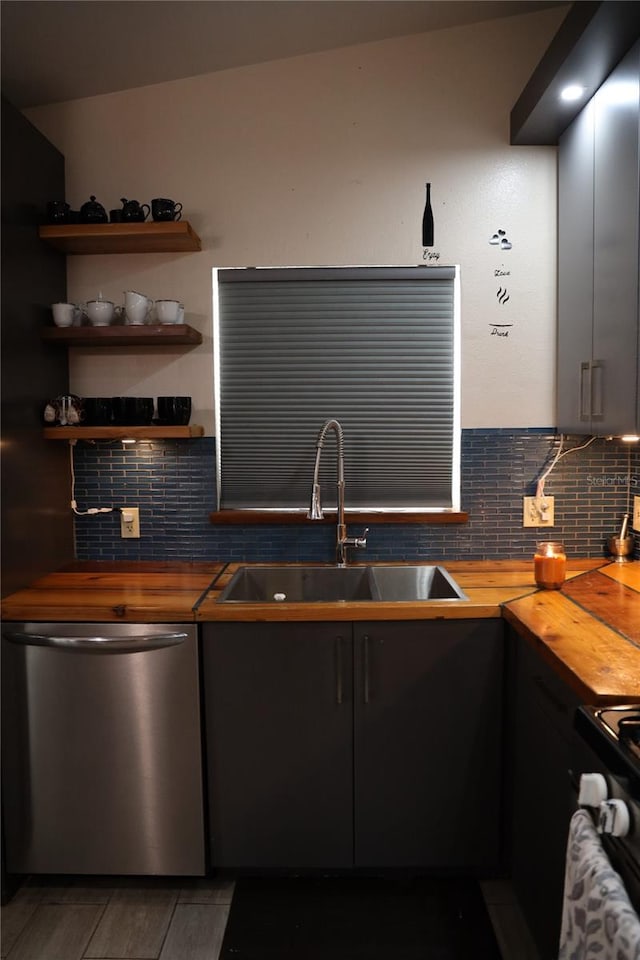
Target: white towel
(598, 921)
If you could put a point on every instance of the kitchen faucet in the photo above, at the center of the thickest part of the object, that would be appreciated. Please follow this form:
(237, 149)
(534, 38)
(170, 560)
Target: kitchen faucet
(315, 510)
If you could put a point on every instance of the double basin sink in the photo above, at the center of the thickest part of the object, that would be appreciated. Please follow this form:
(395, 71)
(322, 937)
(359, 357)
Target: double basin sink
(314, 584)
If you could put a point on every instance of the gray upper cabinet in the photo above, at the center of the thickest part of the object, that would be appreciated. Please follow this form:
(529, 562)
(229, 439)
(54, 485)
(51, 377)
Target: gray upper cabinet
(575, 273)
(598, 270)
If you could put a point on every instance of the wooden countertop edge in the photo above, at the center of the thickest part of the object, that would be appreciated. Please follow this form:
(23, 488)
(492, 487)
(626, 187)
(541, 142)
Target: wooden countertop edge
(559, 666)
(210, 611)
(97, 613)
(582, 656)
(186, 593)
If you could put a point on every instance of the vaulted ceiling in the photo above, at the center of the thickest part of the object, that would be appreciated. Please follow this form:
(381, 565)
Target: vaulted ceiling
(55, 50)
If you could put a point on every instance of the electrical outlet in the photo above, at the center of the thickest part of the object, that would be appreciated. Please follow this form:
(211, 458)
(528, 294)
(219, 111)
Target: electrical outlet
(129, 522)
(636, 513)
(537, 511)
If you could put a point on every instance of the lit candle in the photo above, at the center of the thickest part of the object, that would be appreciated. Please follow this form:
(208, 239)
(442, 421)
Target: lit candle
(550, 564)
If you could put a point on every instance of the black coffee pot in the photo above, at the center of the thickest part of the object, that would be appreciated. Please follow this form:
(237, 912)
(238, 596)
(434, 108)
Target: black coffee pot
(134, 212)
(93, 212)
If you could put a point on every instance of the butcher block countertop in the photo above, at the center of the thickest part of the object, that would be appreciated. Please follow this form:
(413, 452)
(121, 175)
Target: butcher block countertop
(488, 584)
(105, 592)
(589, 631)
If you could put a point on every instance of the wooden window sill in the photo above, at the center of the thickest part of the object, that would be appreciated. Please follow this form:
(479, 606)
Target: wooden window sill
(249, 517)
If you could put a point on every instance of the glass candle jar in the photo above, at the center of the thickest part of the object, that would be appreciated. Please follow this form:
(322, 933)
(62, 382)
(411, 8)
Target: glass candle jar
(550, 564)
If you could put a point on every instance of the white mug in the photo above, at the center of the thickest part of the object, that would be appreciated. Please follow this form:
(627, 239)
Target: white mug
(136, 307)
(132, 297)
(167, 311)
(100, 312)
(64, 314)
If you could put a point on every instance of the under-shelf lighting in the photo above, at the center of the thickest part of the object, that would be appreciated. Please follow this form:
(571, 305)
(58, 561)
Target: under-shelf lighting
(630, 438)
(572, 92)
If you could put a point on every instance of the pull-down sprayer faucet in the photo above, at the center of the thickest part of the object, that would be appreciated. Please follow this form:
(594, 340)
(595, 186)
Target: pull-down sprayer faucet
(315, 510)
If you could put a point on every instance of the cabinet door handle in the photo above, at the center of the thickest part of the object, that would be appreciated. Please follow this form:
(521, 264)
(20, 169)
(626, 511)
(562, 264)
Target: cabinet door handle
(339, 680)
(584, 397)
(365, 669)
(597, 390)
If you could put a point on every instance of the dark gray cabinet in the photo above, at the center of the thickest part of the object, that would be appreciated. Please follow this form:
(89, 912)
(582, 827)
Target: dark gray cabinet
(428, 744)
(332, 745)
(37, 524)
(541, 710)
(575, 274)
(278, 714)
(598, 385)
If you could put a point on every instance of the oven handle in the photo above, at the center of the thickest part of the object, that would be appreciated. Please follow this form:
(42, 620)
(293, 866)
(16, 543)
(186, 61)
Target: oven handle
(99, 644)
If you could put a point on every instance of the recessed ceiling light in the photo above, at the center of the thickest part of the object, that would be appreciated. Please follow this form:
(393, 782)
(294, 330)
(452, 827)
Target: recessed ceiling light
(573, 92)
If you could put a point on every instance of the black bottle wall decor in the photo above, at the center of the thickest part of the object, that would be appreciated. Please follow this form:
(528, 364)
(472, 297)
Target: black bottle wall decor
(427, 221)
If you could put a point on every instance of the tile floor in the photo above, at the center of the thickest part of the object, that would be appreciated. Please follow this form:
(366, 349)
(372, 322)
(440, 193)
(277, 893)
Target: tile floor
(137, 919)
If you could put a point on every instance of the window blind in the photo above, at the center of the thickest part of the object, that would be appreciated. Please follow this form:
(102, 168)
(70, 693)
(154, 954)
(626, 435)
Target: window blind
(370, 347)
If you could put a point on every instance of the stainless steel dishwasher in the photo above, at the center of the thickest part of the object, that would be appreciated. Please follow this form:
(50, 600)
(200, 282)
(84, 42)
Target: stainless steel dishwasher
(102, 758)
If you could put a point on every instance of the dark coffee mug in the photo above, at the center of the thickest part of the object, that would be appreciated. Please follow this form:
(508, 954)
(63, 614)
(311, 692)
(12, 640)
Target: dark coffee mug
(175, 411)
(132, 411)
(58, 211)
(163, 209)
(98, 411)
(115, 216)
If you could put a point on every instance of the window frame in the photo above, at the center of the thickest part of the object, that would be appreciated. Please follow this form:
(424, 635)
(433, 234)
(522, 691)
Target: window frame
(449, 510)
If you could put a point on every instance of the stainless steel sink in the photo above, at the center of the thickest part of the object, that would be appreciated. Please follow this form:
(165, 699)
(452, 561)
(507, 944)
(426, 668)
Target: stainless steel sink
(311, 584)
(297, 585)
(414, 583)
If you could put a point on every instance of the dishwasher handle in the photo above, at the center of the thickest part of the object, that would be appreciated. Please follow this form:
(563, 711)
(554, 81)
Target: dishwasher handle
(99, 644)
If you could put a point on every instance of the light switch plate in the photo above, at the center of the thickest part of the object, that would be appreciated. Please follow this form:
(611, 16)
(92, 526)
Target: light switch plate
(636, 513)
(537, 511)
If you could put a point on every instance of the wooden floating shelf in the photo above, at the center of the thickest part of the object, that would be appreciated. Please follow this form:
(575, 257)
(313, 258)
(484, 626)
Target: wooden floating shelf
(151, 335)
(123, 433)
(155, 237)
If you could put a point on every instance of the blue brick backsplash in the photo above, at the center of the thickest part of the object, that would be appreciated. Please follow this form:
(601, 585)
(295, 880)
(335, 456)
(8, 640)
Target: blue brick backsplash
(173, 484)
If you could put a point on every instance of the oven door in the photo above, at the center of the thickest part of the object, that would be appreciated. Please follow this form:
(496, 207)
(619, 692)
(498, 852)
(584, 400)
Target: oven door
(592, 752)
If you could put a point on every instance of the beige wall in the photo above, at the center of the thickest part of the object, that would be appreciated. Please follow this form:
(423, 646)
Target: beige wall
(322, 159)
